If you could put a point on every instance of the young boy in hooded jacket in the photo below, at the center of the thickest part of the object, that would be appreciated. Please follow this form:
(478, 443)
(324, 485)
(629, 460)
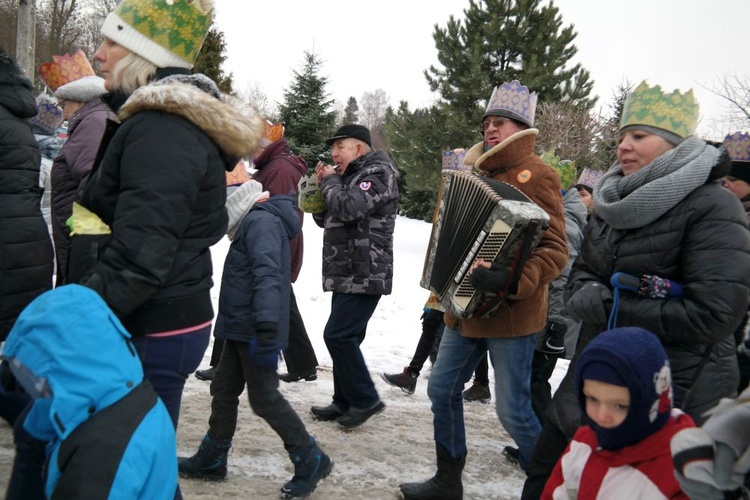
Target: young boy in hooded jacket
(625, 393)
(253, 321)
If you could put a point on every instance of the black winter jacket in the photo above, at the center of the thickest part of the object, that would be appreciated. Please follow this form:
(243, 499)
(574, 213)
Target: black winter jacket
(25, 246)
(161, 187)
(702, 243)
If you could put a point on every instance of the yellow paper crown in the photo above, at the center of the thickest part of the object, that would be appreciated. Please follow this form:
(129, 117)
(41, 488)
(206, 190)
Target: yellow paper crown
(675, 112)
(65, 69)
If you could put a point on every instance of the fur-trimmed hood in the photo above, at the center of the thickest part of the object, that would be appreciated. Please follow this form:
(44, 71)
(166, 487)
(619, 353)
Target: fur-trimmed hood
(508, 154)
(234, 126)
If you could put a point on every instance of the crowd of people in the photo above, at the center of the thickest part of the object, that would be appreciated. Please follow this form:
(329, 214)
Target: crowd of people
(641, 279)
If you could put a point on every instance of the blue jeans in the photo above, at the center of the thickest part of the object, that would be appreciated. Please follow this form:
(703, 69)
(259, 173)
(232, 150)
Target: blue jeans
(511, 359)
(344, 332)
(168, 361)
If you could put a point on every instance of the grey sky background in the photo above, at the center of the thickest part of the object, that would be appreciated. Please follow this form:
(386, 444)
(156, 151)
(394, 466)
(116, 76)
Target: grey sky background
(365, 46)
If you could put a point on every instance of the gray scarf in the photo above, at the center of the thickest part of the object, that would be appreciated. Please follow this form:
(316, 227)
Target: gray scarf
(633, 201)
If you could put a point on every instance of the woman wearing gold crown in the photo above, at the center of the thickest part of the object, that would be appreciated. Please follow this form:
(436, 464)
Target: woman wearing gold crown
(680, 244)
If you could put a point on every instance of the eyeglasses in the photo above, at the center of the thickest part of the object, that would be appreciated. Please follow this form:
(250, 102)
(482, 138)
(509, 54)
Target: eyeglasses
(61, 104)
(496, 121)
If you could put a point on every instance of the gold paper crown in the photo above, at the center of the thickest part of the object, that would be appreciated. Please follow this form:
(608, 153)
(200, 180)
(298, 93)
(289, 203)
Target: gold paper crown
(164, 32)
(675, 112)
(65, 69)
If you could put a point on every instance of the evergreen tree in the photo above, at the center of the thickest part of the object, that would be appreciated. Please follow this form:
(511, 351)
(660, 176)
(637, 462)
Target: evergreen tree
(497, 41)
(307, 111)
(211, 57)
(502, 40)
(416, 143)
(351, 112)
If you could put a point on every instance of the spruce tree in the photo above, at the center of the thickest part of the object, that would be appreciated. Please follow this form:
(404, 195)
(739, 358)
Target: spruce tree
(211, 57)
(351, 112)
(503, 40)
(497, 41)
(307, 111)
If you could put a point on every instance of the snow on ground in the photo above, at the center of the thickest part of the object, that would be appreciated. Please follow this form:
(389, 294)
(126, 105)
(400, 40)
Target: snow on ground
(371, 461)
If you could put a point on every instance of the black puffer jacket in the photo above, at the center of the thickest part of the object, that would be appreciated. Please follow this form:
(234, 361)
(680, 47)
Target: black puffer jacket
(25, 246)
(161, 187)
(704, 244)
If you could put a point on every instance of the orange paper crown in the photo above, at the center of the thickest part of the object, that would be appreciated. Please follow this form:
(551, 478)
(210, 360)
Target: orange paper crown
(65, 69)
(274, 132)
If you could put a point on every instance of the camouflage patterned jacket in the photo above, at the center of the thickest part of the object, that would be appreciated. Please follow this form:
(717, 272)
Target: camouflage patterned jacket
(360, 216)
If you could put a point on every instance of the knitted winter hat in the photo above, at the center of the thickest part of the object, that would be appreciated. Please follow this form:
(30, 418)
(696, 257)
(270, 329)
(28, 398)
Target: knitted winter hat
(633, 358)
(168, 33)
(738, 147)
(512, 100)
(672, 116)
(239, 204)
(72, 77)
(49, 115)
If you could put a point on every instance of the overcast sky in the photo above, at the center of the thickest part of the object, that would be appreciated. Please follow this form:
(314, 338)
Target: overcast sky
(388, 44)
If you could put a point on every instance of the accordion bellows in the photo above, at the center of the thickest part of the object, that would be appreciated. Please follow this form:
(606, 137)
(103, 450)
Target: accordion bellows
(478, 218)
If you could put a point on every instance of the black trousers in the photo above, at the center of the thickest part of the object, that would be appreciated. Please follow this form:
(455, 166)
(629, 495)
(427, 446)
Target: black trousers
(235, 370)
(299, 355)
(548, 449)
(541, 392)
(432, 328)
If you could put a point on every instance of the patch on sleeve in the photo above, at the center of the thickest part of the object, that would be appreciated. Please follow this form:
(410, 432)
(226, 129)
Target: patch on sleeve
(524, 176)
(365, 185)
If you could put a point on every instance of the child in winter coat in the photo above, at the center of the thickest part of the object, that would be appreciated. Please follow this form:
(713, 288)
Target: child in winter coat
(625, 393)
(108, 434)
(253, 321)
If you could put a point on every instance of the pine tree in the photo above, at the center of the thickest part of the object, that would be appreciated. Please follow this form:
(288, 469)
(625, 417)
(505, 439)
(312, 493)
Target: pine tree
(307, 111)
(351, 112)
(211, 57)
(503, 40)
(497, 41)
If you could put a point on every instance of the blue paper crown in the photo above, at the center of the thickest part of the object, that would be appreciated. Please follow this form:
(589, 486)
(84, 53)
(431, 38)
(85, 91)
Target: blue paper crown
(738, 146)
(513, 100)
(453, 159)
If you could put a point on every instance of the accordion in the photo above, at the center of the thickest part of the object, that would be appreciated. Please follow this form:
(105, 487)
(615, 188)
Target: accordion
(478, 218)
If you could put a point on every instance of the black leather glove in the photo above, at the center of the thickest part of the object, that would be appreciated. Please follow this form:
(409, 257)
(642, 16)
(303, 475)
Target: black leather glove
(554, 339)
(591, 303)
(264, 346)
(494, 279)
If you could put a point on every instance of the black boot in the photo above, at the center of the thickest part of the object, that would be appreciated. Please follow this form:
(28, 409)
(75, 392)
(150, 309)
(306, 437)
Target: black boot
(209, 463)
(310, 466)
(445, 484)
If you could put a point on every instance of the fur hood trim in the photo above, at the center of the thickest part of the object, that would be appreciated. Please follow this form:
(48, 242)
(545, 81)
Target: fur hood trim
(234, 126)
(477, 155)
